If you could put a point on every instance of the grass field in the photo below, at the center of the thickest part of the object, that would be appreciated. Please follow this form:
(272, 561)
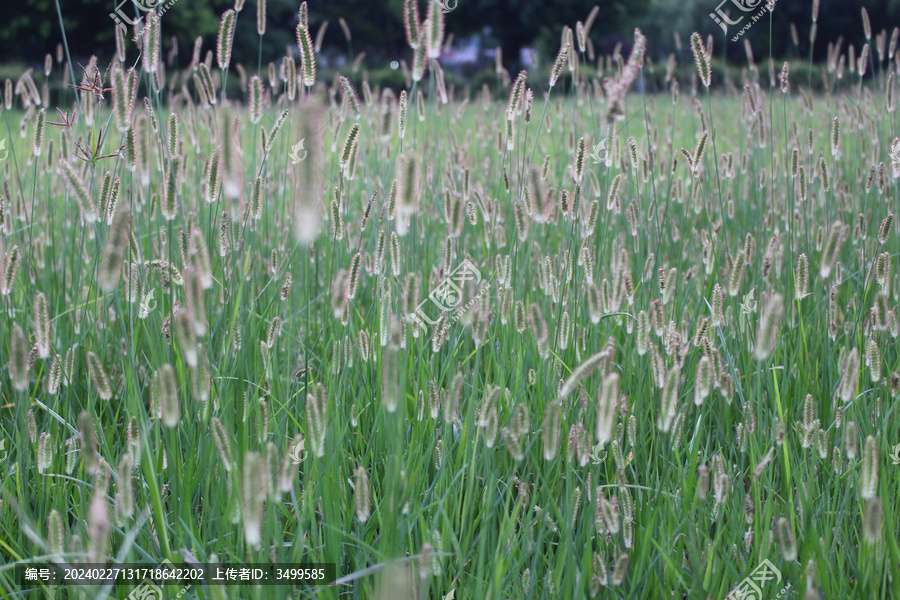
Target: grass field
(674, 356)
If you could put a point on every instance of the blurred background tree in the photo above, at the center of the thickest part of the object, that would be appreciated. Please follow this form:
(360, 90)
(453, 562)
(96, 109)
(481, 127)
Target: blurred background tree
(377, 27)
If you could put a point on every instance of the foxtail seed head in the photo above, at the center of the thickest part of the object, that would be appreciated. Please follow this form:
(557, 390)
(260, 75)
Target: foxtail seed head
(99, 376)
(873, 361)
(151, 42)
(411, 23)
(435, 29)
(831, 249)
(701, 58)
(767, 335)
(736, 276)
(868, 480)
(835, 135)
(39, 131)
(18, 361)
(884, 231)
(255, 93)
(872, 519)
(801, 278)
(669, 404)
(786, 540)
(225, 39)
(551, 430)
(255, 485)
(362, 498)
(702, 380)
(42, 325)
(607, 402)
(307, 52)
(847, 385)
(561, 59)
